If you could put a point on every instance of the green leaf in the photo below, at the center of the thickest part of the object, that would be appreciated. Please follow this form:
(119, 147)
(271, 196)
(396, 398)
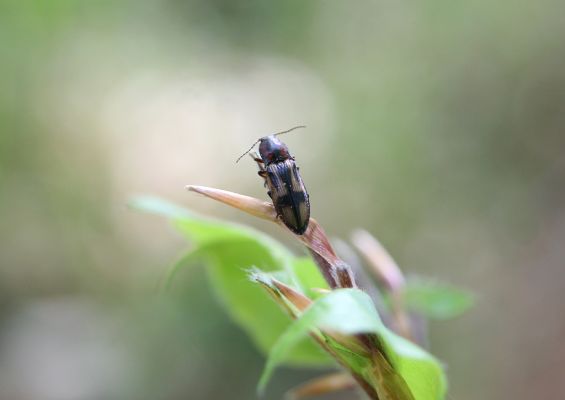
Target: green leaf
(351, 311)
(161, 207)
(309, 276)
(228, 251)
(200, 229)
(436, 300)
(422, 372)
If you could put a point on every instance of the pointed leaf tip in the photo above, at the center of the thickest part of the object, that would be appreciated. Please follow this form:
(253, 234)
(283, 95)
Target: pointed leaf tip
(250, 205)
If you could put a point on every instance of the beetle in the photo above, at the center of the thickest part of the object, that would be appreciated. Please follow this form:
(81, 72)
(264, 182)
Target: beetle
(286, 188)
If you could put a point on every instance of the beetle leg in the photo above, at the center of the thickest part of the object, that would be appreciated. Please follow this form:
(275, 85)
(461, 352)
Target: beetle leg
(262, 171)
(263, 174)
(256, 158)
(260, 163)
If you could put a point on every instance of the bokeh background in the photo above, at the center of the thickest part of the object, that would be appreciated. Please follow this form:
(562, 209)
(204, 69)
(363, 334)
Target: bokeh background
(439, 126)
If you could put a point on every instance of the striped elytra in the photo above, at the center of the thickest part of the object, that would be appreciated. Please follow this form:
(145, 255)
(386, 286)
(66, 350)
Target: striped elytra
(289, 195)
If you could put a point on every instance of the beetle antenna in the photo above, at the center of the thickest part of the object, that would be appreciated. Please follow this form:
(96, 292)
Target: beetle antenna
(251, 148)
(289, 130)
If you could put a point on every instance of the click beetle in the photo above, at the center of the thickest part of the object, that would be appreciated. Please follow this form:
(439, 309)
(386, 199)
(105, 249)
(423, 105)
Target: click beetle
(283, 180)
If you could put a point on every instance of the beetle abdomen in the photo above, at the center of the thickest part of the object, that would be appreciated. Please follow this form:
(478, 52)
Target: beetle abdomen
(289, 195)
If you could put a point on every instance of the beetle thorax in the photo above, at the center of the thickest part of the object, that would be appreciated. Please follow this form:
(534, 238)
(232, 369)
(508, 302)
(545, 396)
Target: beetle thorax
(273, 150)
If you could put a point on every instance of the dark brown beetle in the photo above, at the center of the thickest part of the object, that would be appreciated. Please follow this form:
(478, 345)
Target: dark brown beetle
(285, 184)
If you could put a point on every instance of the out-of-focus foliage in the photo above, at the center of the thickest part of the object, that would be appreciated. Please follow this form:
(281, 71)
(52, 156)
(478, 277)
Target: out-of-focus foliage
(436, 125)
(436, 300)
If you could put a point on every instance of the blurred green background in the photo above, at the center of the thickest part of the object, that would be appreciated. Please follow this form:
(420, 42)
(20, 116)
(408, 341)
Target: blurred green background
(439, 126)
